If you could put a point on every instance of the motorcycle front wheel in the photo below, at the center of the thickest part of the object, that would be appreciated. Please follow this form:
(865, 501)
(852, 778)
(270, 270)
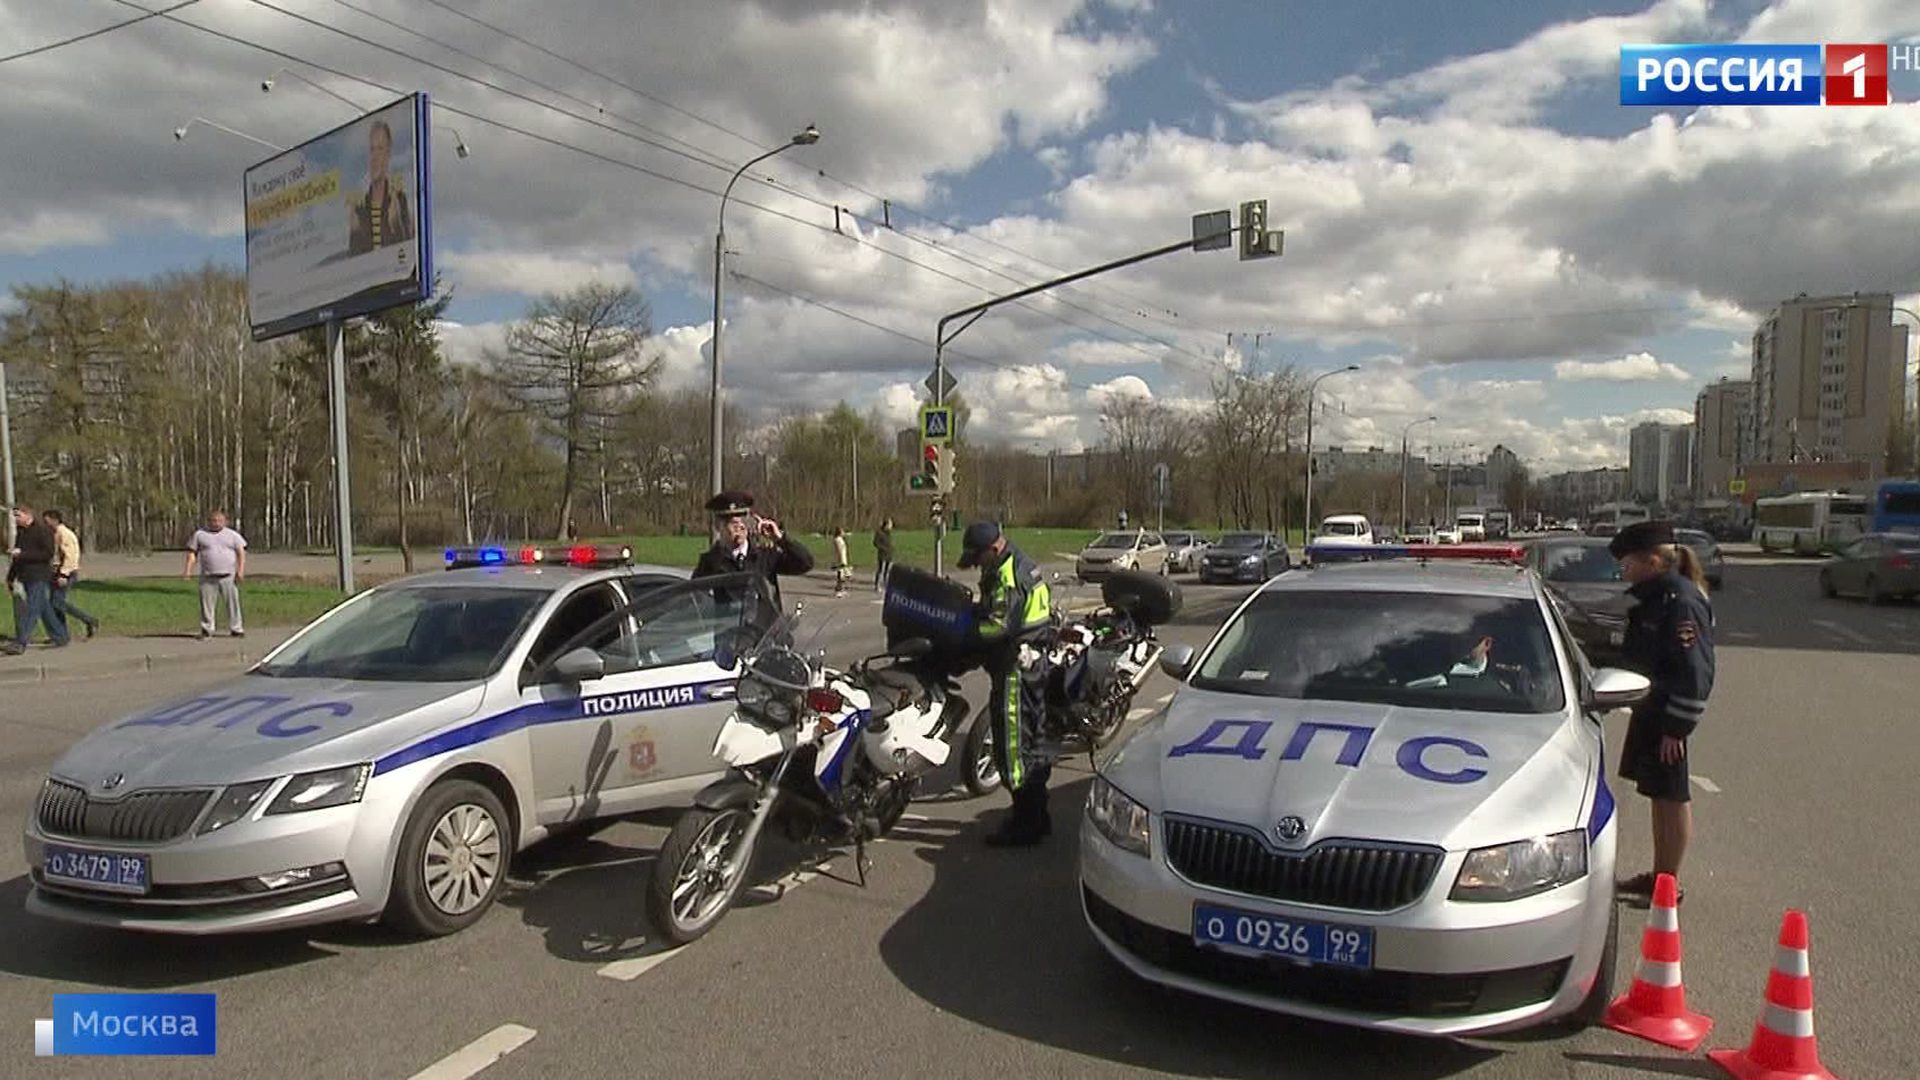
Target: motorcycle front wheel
(699, 872)
(978, 770)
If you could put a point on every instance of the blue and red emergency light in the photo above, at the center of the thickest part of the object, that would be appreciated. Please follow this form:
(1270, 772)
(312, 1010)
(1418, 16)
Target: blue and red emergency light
(1371, 552)
(589, 555)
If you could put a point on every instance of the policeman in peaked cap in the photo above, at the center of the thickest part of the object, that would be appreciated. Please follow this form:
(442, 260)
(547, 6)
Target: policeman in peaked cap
(743, 541)
(1670, 640)
(1015, 608)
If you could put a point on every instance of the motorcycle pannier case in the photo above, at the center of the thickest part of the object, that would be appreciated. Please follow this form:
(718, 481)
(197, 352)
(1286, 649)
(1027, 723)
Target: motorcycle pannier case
(1150, 598)
(922, 605)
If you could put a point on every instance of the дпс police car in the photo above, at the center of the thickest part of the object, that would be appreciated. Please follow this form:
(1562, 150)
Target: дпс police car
(1379, 799)
(391, 757)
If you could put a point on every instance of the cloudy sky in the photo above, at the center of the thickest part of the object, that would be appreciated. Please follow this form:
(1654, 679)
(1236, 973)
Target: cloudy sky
(1470, 215)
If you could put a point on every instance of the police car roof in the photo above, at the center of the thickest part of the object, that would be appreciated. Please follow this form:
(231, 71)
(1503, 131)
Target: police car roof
(542, 578)
(1413, 575)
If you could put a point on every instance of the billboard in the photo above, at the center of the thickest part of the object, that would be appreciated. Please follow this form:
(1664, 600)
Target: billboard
(341, 225)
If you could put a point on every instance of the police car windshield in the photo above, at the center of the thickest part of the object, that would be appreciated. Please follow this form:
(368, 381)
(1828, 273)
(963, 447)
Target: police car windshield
(1419, 650)
(1579, 564)
(438, 634)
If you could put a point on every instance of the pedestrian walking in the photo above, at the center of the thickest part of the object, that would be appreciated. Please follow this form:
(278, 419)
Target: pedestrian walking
(1669, 639)
(221, 556)
(842, 565)
(66, 574)
(742, 541)
(1014, 624)
(31, 569)
(882, 553)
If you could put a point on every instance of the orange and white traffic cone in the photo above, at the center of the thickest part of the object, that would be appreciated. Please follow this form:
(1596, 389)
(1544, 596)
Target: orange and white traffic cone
(1783, 1045)
(1655, 1007)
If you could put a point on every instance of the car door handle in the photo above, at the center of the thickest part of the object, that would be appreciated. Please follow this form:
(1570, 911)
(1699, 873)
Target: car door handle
(723, 691)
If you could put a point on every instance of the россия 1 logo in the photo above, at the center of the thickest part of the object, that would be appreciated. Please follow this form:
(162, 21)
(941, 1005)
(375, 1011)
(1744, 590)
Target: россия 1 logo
(1753, 75)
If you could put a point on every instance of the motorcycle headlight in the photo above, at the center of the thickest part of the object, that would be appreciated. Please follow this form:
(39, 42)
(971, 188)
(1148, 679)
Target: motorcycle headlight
(1522, 868)
(319, 790)
(233, 805)
(752, 693)
(1119, 818)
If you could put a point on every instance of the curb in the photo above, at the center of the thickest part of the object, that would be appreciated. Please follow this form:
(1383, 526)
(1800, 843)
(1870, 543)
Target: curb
(13, 674)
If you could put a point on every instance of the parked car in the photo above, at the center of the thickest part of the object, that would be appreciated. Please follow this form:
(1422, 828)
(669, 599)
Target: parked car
(1244, 556)
(1583, 579)
(1446, 534)
(1137, 550)
(1418, 534)
(1184, 550)
(1878, 566)
(1707, 550)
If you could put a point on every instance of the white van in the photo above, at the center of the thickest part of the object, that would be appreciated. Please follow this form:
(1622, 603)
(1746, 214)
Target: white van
(1343, 530)
(1472, 526)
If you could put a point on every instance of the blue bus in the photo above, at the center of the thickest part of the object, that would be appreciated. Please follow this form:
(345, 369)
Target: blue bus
(1896, 507)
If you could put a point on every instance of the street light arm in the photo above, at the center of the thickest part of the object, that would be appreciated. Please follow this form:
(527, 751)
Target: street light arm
(180, 132)
(266, 86)
(738, 173)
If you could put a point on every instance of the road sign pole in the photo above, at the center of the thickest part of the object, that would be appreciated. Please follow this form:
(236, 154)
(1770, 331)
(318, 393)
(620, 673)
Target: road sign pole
(6, 457)
(940, 516)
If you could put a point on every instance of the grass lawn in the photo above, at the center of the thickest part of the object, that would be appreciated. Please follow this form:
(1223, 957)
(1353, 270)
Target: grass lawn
(155, 605)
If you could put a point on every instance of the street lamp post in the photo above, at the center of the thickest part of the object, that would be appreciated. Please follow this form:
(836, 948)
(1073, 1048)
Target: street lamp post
(1306, 532)
(266, 87)
(1913, 419)
(805, 138)
(180, 133)
(1404, 432)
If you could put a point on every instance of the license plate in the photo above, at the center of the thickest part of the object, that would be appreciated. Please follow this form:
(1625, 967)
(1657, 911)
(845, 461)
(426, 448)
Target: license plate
(1262, 935)
(109, 870)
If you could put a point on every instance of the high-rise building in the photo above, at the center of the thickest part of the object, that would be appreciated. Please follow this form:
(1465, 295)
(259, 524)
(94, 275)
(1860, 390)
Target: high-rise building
(1502, 464)
(1660, 460)
(1721, 417)
(1828, 373)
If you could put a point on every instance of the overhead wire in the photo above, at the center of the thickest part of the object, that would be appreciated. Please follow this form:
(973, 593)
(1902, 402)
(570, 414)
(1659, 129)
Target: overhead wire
(91, 34)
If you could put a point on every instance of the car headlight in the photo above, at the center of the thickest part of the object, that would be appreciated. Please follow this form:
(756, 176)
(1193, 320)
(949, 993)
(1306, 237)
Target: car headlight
(1522, 868)
(317, 790)
(233, 805)
(1119, 818)
(1249, 560)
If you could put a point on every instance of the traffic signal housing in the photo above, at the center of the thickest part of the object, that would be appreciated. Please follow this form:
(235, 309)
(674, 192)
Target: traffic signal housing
(1256, 241)
(935, 473)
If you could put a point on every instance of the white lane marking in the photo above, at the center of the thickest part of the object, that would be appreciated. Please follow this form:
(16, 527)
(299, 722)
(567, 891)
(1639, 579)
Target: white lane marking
(1139, 712)
(1706, 784)
(477, 1054)
(1163, 698)
(635, 966)
(915, 818)
(1847, 632)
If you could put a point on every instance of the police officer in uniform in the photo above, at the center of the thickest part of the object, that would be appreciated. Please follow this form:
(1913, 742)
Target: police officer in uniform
(1015, 609)
(743, 542)
(1670, 640)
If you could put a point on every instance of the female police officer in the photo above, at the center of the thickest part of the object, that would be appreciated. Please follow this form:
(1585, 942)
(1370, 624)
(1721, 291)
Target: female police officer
(1670, 640)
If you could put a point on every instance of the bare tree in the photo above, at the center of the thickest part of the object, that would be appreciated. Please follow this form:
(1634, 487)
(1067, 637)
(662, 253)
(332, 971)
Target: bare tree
(406, 384)
(566, 364)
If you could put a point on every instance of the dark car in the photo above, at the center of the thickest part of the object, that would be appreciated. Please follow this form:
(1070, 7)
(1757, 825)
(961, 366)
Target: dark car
(1707, 550)
(1243, 556)
(1878, 566)
(1585, 583)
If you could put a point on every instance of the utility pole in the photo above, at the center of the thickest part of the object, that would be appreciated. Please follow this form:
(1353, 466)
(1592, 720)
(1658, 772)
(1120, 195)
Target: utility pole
(6, 454)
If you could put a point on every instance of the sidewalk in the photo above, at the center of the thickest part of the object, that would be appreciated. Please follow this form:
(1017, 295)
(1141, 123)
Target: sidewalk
(118, 657)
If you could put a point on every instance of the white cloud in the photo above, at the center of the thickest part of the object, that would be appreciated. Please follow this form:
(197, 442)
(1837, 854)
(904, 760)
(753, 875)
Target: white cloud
(1640, 367)
(532, 272)
(1126, 386)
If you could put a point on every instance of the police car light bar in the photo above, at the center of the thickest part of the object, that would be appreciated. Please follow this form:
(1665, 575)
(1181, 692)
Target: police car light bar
(589, 555)
(1481, 552)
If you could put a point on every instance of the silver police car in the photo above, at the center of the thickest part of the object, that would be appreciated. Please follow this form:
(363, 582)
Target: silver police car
(1378, 799)
(391, 758)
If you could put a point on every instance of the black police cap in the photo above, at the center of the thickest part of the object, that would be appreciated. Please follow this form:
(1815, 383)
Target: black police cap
(975, 541)
(1640, 537)
(730, 504)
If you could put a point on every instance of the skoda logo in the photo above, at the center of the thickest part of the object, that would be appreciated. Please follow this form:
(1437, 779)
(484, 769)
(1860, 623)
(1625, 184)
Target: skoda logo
(113, 781)
(1290, 828)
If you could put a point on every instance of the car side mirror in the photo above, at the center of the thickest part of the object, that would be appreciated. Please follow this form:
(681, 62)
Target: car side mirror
(580, 665)
(1178, 662)
(911, 649)
(1612, 688)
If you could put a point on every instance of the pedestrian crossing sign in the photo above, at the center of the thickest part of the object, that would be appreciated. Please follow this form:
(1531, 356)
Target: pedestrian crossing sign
(936, 425)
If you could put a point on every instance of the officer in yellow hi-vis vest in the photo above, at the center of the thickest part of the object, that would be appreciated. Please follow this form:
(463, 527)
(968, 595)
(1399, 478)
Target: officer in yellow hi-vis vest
(1015, 609)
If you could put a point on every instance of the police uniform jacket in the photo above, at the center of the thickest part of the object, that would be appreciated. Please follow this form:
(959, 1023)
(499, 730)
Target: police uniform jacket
(1015, 604)
(784, 556)
(1670, 640)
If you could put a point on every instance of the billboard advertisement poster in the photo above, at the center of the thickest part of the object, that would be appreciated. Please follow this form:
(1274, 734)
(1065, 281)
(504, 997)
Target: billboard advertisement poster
(341, 225)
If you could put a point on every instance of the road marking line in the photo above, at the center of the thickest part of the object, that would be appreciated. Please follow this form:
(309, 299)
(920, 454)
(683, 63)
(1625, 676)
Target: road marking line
(477, 1054)
(915, 818)
(1847, 632)
(1139, 712)
(1706, 784)
(1163, 698)
(635, 966)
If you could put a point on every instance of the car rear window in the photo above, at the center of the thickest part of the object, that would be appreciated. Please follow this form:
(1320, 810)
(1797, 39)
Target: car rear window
(1389, 648)
(1340, 528)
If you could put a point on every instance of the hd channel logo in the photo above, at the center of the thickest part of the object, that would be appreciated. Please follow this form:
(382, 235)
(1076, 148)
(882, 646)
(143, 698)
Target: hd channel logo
(127, 1025)
(1761, 74)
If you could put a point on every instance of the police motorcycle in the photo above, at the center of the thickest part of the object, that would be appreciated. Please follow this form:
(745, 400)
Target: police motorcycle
(830, 755)
(1097, 663)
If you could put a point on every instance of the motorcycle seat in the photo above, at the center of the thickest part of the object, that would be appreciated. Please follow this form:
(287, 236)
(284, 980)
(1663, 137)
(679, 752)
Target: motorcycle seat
(890, 689)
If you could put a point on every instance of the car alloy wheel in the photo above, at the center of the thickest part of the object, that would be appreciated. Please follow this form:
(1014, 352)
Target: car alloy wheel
(461, 863)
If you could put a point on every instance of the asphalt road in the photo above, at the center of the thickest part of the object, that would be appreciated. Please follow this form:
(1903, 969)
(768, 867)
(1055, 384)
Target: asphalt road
(961, 961)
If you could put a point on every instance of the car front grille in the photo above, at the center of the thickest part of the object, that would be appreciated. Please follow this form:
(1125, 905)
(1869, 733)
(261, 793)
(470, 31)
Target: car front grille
(1361, 877)
(1378, 991)
(142, 816)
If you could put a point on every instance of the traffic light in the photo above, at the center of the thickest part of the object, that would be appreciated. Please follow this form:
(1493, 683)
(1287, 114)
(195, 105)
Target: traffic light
(930, 466)
(949, 471)
(1255, 241)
